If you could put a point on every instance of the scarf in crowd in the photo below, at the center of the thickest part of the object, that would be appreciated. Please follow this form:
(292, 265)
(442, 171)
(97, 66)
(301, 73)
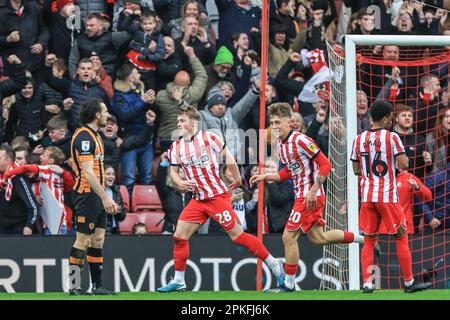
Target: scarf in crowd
(9, 184)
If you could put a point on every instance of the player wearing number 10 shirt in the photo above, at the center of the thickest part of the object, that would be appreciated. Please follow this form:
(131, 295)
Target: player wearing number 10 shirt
(374, 154)
(308, 167)
(198, 153)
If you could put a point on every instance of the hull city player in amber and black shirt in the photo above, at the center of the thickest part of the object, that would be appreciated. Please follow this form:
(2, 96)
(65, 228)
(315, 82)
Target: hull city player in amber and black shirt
(90, 200)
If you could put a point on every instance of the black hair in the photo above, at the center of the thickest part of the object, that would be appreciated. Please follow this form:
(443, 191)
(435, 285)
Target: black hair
(89, 109)
(124, 72)
(380, 109)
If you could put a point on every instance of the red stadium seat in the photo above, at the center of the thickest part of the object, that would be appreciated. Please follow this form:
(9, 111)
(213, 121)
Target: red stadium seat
(145, 198)
(125, 198)
(154, 221)
(126, 226)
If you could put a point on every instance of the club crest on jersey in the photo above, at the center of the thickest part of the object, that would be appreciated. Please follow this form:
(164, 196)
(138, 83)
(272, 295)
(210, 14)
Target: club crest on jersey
(312, 147)
(85, 145)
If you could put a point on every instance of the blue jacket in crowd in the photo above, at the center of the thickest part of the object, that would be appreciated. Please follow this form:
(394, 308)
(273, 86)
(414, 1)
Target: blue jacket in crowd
(439, 183)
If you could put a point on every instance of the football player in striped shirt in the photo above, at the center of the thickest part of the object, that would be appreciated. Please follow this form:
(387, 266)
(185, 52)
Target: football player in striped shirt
(374, 154)
(198, 153)
(308, 167)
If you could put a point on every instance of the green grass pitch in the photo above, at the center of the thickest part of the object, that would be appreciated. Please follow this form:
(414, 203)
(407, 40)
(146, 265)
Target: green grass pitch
(242, 295)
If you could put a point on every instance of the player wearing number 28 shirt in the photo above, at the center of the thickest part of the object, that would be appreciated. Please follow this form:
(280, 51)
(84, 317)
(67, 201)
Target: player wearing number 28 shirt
(198, 153)
(374, 154)
(308, 167)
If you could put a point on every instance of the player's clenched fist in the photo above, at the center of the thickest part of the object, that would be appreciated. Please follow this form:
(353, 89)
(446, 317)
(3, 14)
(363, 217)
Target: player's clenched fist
(256, 178)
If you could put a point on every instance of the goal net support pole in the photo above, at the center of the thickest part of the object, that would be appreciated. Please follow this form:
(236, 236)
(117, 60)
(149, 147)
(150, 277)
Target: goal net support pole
(351, 41)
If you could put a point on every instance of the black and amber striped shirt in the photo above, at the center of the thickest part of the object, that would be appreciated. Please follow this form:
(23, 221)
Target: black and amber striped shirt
(87, 145)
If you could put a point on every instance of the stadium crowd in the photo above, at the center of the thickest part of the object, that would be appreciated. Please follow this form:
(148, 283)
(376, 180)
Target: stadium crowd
(146, 58)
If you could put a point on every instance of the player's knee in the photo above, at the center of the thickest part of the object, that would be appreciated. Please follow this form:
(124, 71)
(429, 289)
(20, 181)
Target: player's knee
(97, 241)
(289, 238)
(83, 242)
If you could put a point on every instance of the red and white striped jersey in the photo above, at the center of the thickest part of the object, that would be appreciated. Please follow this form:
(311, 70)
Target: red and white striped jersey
(55, 183)
(297, 153)
(375, 150)
(199, 159)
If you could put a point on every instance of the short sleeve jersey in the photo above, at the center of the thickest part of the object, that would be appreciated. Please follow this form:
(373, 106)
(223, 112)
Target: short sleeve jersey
(87, 145)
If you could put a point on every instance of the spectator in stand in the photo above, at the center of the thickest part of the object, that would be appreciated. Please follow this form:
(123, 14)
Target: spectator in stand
(173, 201)
(21, 155)
(52, 99)
(102, 77)
(58, 136)
(280, 49)
(10, 87)
(438, 141)
(362, 111)
(147, 46)
(77, 90)
(297, 123)
(284, 14)
(366, 22)
(18, 206)
(196, 37)
(25, 116)
(420, 161)
(130, 104)
(99, 41)
(113, 190)
(279, 200)
(178, 93)
(24, 34)
(175, 9)
(167, 68)
(427, 105)
(315, 37)
(139, 229)
(237, 16)
(20, 141)
(225, 121)
(115, 146)
(239, 48)
(221, 69)
(437, 212)
(61, 36)
(190, 7)
(59, 182)
(129, 16)
(90, 7)
(289, 83)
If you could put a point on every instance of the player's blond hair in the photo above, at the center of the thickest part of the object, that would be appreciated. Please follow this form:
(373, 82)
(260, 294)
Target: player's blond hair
(190, 111)
(56, 154)
(280, 109)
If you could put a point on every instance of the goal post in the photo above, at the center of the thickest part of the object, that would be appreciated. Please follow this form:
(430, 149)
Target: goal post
(343, 105)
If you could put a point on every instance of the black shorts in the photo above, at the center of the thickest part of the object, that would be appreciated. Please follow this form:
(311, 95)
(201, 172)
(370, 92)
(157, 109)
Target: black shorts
(89, 212)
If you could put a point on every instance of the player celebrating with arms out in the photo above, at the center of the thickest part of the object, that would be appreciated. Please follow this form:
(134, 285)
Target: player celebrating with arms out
(198, 153)
(308, 167)
(374, 154)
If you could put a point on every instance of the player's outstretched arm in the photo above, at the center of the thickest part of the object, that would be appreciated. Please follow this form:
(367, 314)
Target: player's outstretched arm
(234, 169)
(281, 175)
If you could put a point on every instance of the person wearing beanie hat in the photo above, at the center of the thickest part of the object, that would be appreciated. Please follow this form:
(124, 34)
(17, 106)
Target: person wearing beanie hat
(217, 103)
(224, 56)
(60, 4)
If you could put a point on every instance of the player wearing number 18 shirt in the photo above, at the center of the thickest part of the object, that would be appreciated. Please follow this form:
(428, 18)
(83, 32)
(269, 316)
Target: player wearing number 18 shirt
(198, 153)
(374, 155)
(308, 167)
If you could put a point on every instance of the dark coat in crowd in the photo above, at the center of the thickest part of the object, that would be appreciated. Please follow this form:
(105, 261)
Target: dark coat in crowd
(167, 69)
(25, 117)
(63, 144)
(119, 216)
(21, 210)
(32, 30)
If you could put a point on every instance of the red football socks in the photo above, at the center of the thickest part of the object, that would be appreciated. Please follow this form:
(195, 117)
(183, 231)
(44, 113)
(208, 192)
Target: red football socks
(367, 258)
(290, 269)
(404, 257)
(252, 244)
(180, 253)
